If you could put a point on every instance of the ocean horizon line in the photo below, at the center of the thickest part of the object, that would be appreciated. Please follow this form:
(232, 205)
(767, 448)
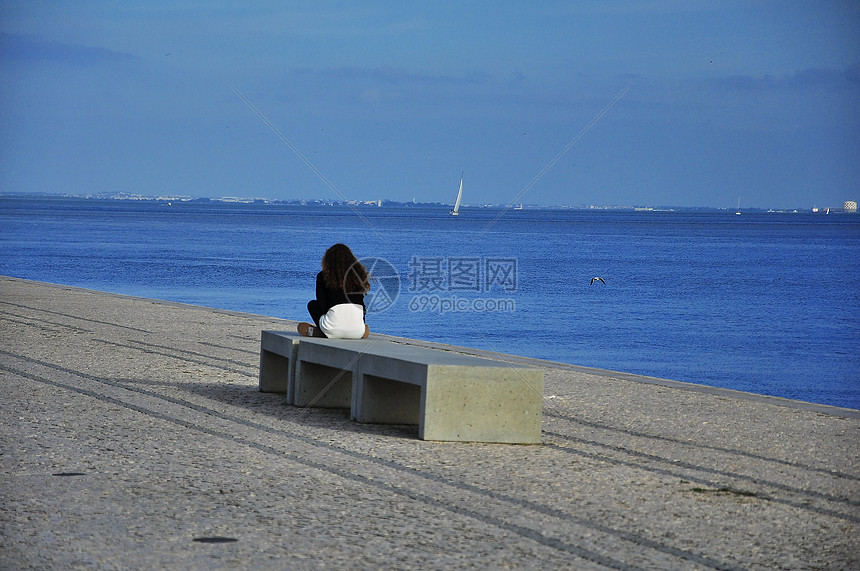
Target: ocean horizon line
(386, 202)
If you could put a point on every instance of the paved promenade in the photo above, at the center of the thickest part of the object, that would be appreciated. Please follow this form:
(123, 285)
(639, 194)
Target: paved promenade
(133, 428)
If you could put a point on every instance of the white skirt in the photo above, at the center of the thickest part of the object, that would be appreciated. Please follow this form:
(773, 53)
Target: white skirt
(343, 321)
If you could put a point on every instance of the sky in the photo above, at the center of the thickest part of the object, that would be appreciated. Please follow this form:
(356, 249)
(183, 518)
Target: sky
(637, 103)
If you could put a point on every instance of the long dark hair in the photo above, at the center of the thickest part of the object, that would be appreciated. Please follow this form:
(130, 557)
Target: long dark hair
(341, 269)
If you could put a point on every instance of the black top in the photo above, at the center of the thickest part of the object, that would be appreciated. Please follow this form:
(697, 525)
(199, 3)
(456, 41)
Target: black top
(331, 297)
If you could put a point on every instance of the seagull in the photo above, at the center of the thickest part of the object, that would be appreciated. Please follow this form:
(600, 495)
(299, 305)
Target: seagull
(597, 280)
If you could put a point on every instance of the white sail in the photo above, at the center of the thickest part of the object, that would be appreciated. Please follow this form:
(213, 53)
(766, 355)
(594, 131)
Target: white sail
(456, 209)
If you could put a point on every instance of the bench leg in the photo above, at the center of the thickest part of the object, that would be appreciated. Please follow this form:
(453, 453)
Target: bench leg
(275, 373)
(467, 407)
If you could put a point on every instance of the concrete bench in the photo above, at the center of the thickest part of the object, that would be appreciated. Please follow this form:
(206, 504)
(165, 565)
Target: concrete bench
(451, 397)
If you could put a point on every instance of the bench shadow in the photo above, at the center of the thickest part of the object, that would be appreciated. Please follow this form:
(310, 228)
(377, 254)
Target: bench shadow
(274, 405)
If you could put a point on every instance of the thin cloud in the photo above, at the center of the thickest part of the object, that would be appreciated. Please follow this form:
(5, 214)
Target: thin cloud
(394, 75)
(18, 47)
(807, 78)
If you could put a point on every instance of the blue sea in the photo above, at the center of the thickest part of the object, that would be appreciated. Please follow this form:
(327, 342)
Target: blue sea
(762, 302)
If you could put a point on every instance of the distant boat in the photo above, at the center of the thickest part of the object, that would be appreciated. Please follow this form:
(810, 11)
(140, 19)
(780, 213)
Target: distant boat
(739, 206)
(456, 210)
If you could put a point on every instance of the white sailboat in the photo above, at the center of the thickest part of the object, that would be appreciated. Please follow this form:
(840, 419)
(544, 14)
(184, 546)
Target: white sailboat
(456, 210)
(739, 206)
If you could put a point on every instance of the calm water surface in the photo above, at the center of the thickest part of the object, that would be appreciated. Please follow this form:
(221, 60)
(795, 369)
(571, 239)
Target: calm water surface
(766, 303)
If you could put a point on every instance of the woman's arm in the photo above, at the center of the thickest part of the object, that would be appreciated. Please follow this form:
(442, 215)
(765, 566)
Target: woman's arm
(321, 295)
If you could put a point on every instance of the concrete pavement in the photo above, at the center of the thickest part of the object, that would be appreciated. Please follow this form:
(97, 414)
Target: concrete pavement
(133, 429)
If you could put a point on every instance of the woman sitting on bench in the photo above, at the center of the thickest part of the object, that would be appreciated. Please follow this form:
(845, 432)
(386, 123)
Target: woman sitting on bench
(338, 310)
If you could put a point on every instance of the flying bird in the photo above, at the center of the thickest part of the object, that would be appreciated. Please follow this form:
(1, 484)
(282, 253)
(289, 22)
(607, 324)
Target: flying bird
(597, 279)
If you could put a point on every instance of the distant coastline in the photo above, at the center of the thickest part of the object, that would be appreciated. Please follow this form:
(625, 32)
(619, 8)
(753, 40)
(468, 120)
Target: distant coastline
(381, 203)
